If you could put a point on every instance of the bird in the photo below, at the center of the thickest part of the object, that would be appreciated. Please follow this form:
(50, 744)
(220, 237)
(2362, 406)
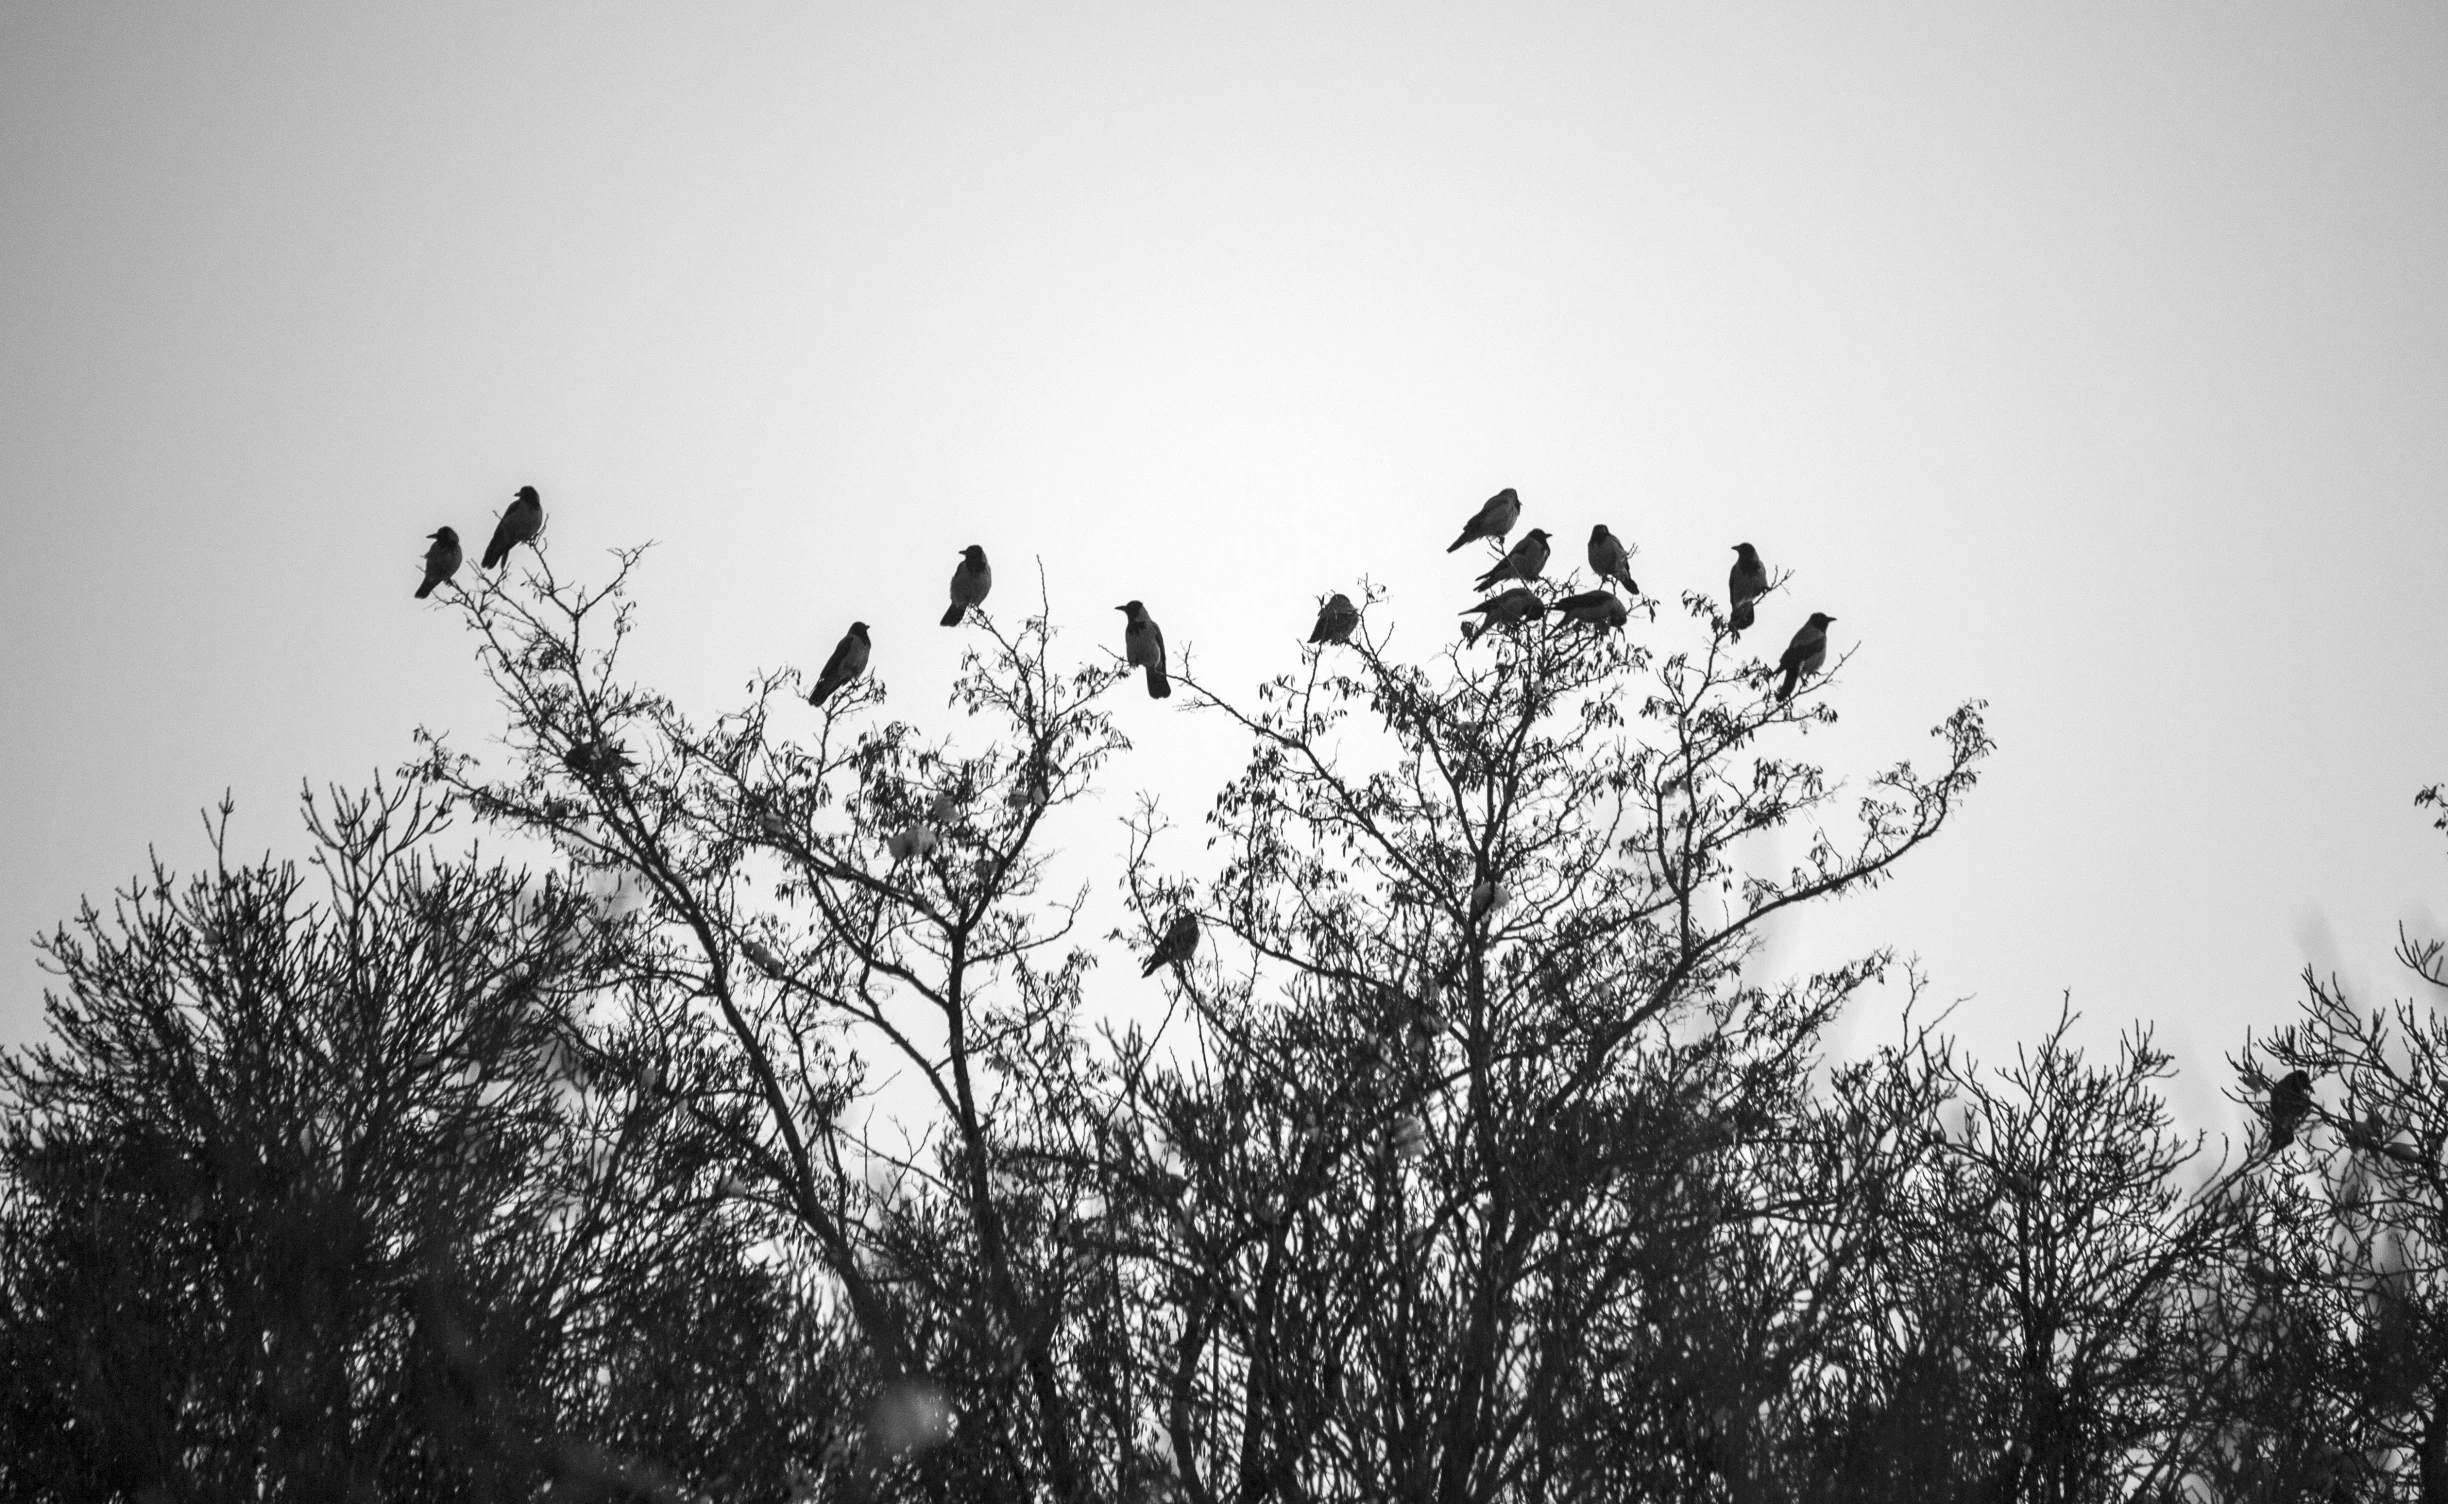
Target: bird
(1495, 519)
(441, 560)
(1523, 562)
(520, 522)
(917, 838)
(1143, 647)
(1610, 559)
(1180, 939)
(1507, 608)
(2290, 1102)
(598, 759)
(762, 954)
(1804, 654)
(849, 660)
(1490, 897)
(1336, 619)
(1603, 609)
(1747, 583)
(970, 583)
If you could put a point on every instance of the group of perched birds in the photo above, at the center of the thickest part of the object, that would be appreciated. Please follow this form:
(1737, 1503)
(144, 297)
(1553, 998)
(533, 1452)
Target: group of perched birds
(1602, 608)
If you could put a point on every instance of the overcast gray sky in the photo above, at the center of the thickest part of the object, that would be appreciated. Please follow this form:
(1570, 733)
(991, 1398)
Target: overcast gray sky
(2090, 359)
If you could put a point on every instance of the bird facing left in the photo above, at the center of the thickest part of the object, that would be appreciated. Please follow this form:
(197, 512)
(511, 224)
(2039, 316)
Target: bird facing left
(441, 560)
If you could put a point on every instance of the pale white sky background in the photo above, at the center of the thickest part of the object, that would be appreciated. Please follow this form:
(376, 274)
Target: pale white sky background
(2091, 359)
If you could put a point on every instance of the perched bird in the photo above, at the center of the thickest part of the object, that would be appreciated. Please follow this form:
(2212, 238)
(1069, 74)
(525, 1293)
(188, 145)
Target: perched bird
(849, 660)
(597, 759)
(441, 560)
(1180, 939)
(1490, 897)
(1610, 559)
(2290, 1102)
(1507, 608)
(1804, 654)
(1747, 583)
(970, 583)
(1336, 619)
(1494, 520)
(1603, 609)
(1143, 647)
(917, 838)
(520, 522)
(1523, 562)
(762, 954)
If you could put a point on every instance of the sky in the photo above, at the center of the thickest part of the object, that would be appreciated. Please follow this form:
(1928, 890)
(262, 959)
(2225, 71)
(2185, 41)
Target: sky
(2088, 359)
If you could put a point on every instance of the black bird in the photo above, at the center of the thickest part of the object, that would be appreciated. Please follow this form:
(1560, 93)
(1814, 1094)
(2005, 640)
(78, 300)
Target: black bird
(441, 560)
(1336, 619)
(598, 759)
(2290, 1102)
(1747, 583)
(1610, 559)
(1180, 939)
(1143, 647)
(1506, 608)
(520, 522)
(1804, 654)
(970, 583)
(1603, 609)
(1524, 562)
(849, 660)
(1494, 520)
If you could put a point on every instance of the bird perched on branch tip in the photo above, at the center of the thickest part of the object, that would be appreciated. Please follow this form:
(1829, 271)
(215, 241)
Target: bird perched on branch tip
(520, 523)
(1180, 939)
(1603, 609)
(1507, 608)
(1494, 519)
(1143, 647)
(1523, 561)
(1803, 655)
(970, 582)
(1746, 583)
(1335, 620)
(441, 560)
(849, 660)
(1611, 559)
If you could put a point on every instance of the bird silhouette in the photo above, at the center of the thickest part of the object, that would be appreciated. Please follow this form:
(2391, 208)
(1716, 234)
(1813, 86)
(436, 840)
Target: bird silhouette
(1603, 609)
(1180, 939)
(1747, 583)
(2290, 1102)
(441, 560)
(1336, 619)
(1508, 608)
(849, 660)
(597, 758)
(1609, 559)
(520, 522)
(970, 582)
(1143, 647)
(1523, 562)
(1804, 654)
(1494, 519)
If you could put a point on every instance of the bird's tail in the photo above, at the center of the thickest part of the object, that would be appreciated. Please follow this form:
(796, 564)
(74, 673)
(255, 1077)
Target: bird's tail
(952, 618)
(1154, 964)
(1741, 617)
(495, 554)
(426, 589)
(1159, 687)
(1785, 687)
(1458, 542)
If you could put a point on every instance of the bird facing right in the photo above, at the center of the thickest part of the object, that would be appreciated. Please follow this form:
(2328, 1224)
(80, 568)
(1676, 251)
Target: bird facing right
(2290, 1102)
(1180, 940)
(970, 582)
(520, 522)
(1524, 561)
(441, 560)
(1803, 655)
(1747, 583)
(1609, 559)
(1494, 519)
(849, 660)
(1143, 647)
(1335, 620)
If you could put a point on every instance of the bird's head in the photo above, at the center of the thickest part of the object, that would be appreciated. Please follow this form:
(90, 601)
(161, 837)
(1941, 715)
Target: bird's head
(1598, 534)
(444, 536)
(858, 629)
(1820, 619)
(1746, 551)
(1539, 533)
(975, 555)
(1508, 496)
(1132, 609)
(528, 495)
